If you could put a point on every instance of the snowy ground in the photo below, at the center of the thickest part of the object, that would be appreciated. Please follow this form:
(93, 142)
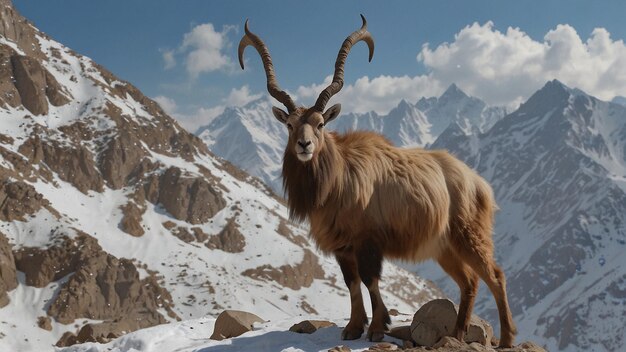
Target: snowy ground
(193, 335)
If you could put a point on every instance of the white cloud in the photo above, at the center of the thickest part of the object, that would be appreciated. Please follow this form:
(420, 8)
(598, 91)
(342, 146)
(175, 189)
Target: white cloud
(198, 118)
(203, 116)
(502, 68)
(379, 94)
(506, 67)
(203, 50)
(168, 59)
(240, 97)
(167, 104)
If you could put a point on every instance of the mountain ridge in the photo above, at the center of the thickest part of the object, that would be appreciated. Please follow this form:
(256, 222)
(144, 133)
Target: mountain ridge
(406, 124)
(557, 168)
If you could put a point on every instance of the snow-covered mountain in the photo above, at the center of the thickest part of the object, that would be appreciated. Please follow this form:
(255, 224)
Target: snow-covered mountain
(113, 218)
(558, 169)
(262, 139)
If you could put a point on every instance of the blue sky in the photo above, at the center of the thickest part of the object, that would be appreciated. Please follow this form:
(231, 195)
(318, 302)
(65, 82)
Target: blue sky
(469, 42)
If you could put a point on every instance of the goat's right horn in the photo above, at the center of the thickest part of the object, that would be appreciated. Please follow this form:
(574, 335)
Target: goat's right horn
(272, 86)
(360, 35)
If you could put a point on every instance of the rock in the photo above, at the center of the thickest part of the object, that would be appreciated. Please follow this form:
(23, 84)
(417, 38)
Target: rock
(525, 347)
(400, 332)
(294, 277)
(121, 157)
(183, 234)
(131, 219)
(190, 199)
(57, 95)
(102, 332)
(384, 346)
(67, 339)
(101, 287)
(18, 30)
(479, 331)
(229, 239)
(30, 81)
(201, 236)
(44, 323)
(74, 164)
(310, 326)
(9, 96)
(8, 277)
(437, 318)
(531, 347)
(406, 344)
(232, 323)
(18, 199)
(341, 348)
(450, 342)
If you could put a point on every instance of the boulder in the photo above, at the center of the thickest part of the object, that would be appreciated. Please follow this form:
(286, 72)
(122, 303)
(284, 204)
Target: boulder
(341, 348)
(401, 332)
(191, 199)
(18, 199)
(232, 323)
(131, 219)
(30, 81)
(229, 239)
(437, 318)
(44, 323)
(310, 326)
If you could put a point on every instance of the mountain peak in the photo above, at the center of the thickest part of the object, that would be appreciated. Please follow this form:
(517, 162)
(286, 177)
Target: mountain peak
(404, 104)
(453, 92)
(619, 100)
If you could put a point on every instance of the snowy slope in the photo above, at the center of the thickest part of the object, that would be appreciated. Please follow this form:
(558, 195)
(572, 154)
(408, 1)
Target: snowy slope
(262, 138)
(85, 156)
(558, 169)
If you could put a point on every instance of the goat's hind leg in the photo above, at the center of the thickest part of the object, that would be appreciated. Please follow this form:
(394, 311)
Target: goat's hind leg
(358, 318)
(479, 256)
(467, 280)
(370, 260)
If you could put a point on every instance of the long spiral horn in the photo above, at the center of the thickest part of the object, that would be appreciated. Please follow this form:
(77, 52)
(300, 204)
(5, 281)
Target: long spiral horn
(272, 85)
(360, 35)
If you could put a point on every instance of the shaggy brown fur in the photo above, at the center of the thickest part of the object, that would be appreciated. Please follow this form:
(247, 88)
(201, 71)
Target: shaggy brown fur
(366, 199)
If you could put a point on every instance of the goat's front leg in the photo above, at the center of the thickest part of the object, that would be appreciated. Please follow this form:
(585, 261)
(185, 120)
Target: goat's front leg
(370, 260)
(358, 318)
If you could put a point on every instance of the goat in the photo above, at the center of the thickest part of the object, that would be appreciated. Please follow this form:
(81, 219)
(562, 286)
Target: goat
(367, 200)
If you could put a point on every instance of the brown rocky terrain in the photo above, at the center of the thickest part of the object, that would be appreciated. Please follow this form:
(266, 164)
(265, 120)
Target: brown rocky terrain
(292, 276)
(97, 286)
(8, 278)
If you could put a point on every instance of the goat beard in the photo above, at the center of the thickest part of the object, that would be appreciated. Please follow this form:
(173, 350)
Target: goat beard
(309, 185)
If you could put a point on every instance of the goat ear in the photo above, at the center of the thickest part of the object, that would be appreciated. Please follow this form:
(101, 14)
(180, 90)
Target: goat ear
(279, 114)
(331, 113)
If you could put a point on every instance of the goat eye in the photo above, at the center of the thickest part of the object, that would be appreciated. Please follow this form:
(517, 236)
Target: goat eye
(289, 126)
(320, 126)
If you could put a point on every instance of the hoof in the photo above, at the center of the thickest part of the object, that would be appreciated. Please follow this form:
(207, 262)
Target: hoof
(506, 341)
(351, 334)
(505, 344)
(375, 336)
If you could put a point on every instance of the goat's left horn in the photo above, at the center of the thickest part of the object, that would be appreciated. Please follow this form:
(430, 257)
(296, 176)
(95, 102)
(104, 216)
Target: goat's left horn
(272, 85)
(360, 35)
